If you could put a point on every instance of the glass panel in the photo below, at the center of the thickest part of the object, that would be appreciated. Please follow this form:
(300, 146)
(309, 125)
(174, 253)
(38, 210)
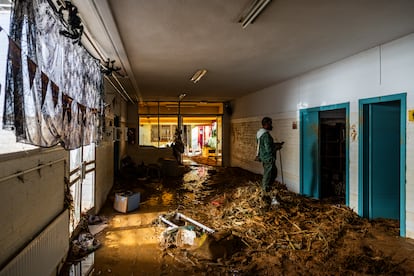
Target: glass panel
(158, 135)
(88, 192)
(199, 124)
(75, 160)
(82, 179)
(219, 135)
(88, 185)
(75, 171)
(155, 108)
(201, 108)
(188, 108)
(4, 46)
(75, 191)
(84, 267)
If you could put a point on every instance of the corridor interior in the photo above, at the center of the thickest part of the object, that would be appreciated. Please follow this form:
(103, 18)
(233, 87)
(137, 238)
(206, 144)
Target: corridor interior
(299, 235)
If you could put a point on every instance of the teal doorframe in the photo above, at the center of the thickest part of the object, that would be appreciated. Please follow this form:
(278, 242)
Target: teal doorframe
(307, 141)
(363, 103)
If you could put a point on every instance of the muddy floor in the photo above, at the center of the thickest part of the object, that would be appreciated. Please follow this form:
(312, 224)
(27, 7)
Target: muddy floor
(295, 236)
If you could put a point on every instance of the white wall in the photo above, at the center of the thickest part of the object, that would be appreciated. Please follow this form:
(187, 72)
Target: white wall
(104, 173)
(383, 70)
(123, 120)
(398, 75)
(29, 204)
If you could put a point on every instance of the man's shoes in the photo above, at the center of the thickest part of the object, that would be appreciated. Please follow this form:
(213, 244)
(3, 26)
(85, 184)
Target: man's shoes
(274, 202)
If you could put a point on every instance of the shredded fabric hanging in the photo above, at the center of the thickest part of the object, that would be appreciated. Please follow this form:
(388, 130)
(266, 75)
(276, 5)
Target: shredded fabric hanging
(54, 87)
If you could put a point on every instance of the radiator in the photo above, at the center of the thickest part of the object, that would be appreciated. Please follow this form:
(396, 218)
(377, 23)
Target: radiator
(42, 255)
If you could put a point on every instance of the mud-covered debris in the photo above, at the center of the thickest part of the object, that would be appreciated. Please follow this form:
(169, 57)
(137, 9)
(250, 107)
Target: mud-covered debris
(298, 234)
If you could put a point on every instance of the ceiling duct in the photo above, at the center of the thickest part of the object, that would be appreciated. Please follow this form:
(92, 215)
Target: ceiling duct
(252, 12)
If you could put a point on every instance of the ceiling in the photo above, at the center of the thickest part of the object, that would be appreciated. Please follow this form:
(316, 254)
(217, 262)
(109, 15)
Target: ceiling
(159, 44)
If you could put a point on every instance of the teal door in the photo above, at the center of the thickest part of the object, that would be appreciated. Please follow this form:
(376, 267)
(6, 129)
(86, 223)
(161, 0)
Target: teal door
(309, 152)
(381, 159)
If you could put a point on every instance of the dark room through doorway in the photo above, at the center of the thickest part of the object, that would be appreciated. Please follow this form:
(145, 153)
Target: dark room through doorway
(332, 132)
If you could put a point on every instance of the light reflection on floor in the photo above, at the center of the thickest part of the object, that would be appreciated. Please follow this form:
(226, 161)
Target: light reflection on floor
(132, 238)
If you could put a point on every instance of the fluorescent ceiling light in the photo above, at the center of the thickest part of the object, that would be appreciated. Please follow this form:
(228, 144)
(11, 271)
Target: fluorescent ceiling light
(255, 8)
(198, 75)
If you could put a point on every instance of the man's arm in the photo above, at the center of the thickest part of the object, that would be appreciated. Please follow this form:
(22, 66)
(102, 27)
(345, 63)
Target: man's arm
(279, 145)
(267, 149)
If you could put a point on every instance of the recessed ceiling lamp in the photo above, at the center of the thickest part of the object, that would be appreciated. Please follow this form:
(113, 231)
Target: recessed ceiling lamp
(181, 96)
(252, 12)
(198, 75)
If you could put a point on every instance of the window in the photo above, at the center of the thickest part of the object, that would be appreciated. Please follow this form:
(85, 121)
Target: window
(4, 46)
(4, 24)
(82, 182)
(200, 125)
(7, 138)
(157, 131)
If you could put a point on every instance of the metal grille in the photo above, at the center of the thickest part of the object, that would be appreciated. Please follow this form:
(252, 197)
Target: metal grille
(44, 253)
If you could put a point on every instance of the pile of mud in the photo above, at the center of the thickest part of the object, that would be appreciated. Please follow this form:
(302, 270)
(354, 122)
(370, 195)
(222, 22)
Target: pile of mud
(297, 236)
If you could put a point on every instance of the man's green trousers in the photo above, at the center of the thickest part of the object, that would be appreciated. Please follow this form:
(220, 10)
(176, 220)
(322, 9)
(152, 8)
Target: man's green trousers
(269, 175)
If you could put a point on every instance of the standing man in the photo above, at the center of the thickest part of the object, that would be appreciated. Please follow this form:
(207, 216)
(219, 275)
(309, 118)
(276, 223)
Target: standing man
(266, 153)
(178, 146)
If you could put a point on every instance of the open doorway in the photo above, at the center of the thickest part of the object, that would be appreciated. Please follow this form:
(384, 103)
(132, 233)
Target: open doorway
(202, 138)
(200, 123)
(324, 153)
(332, 154)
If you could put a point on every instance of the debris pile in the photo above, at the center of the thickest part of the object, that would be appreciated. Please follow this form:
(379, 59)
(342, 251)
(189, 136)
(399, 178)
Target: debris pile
(299, 235)
(182, 230)
(85, 242)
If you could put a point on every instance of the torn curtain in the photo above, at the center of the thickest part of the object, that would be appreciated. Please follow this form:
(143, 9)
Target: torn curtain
(54, 87)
